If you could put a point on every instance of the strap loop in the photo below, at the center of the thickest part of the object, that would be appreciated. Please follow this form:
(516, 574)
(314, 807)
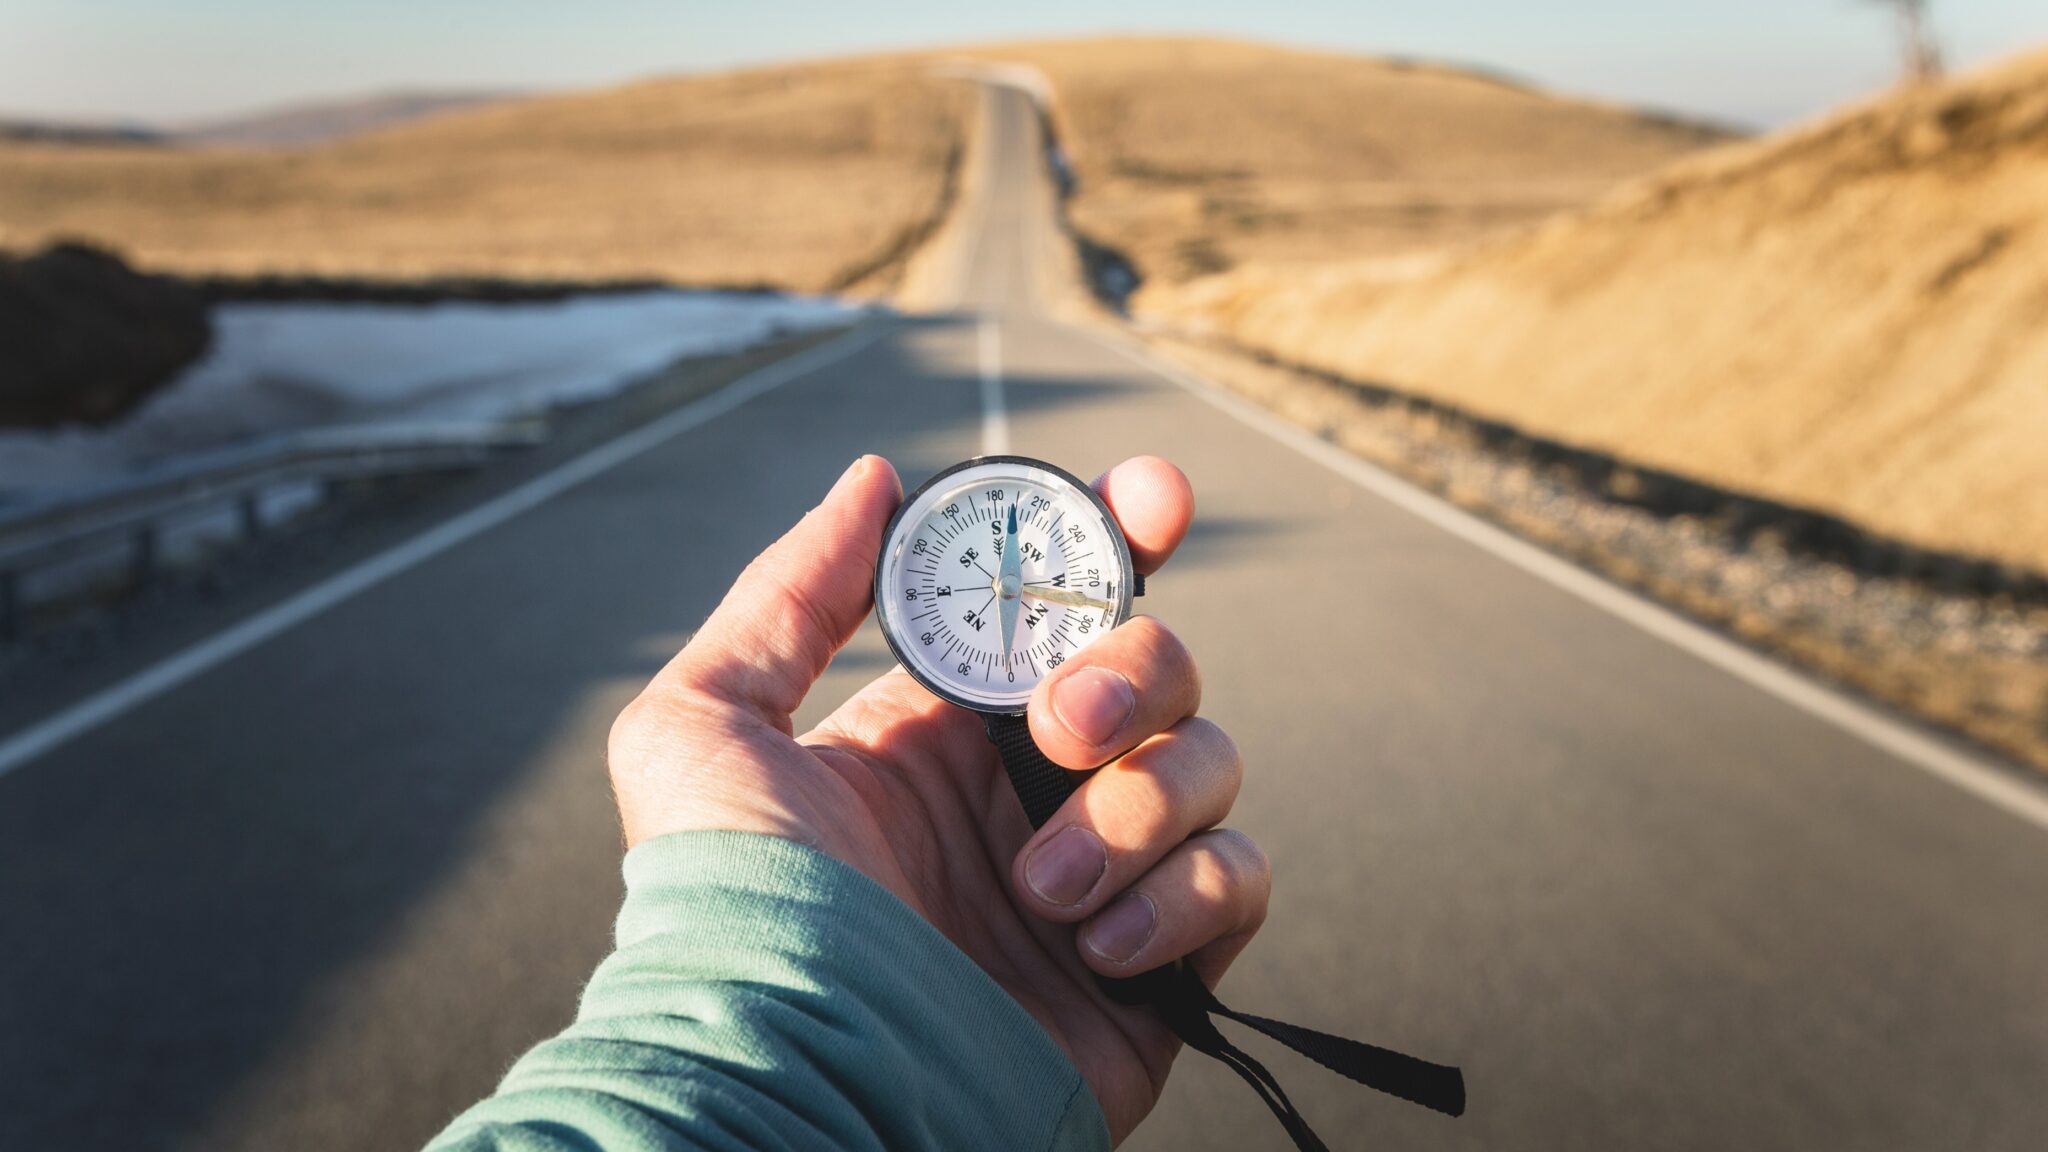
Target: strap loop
(1190, 1008)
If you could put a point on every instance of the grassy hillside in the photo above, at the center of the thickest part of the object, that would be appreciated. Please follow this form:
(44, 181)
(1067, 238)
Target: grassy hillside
(1195, 156)
(1851, 317)
(805, 177)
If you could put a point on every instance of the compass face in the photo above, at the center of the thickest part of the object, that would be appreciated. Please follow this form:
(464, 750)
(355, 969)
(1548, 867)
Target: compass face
(996, 572)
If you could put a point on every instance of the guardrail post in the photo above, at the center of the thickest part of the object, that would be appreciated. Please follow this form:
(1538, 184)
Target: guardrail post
(142, 561)
(251, 510)
(137, 515)
(10, 607)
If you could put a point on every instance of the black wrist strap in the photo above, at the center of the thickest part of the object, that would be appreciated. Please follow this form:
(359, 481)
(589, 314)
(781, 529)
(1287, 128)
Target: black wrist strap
(1041, 784)
(1190, 1008)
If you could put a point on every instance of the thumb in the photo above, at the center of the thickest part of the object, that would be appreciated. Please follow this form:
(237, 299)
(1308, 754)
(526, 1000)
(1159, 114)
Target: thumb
(797, 604)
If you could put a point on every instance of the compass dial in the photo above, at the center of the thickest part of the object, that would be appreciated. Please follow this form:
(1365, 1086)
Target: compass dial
(994, 573)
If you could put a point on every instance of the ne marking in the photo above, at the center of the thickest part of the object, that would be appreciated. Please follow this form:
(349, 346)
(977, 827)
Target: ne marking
(112, 702)
(1972, 774)
(995, 423)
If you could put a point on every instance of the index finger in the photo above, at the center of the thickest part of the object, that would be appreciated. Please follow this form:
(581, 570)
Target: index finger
(1153, 504)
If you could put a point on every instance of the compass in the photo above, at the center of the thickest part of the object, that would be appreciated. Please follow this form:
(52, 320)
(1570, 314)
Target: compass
(995, 572)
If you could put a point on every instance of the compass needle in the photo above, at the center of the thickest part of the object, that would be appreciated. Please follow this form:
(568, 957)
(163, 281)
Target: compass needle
(1009, 582)
(1071, 599)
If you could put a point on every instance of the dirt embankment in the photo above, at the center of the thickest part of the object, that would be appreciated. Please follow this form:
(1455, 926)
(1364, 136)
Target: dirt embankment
(1195, 156)
(1940, 648)
(806, 178)
(83, 337)
(1851, 318)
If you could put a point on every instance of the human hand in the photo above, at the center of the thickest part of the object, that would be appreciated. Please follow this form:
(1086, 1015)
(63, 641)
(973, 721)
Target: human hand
(907, 789)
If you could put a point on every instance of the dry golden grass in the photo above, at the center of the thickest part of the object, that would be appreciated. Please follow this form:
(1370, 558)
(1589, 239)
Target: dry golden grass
(1852, 317)
(1195, 155)
(1198, 155)
(807, 177)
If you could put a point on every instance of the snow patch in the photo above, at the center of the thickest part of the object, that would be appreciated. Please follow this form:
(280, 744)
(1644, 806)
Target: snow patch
(278, 367)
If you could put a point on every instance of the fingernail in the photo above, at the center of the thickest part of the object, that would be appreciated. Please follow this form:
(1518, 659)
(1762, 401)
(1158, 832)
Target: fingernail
(852, 470)
(1122, 929)
(1094, 704)
(1066, 868)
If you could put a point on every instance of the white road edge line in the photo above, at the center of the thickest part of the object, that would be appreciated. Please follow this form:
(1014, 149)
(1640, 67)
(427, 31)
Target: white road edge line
(1997, 786)
(118, 698)
(995, 422)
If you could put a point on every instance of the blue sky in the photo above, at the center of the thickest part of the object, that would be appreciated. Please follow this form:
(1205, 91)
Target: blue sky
(1761, 62)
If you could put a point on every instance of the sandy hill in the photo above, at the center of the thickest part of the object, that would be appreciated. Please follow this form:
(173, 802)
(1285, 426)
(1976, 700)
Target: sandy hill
(808, 177)
(1852, 317)
(1195, 155)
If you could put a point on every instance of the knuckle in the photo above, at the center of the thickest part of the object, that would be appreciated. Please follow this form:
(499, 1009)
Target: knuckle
(1219, 754)
(654, 724)
(1157, 657)
(801, 615)
(1140, 628)
(1131, 805)
(1157, 643)
(1194, 770)
(1246, 867)
(627, 728)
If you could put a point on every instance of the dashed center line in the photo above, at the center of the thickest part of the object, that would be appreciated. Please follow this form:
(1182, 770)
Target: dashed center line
(995, 422)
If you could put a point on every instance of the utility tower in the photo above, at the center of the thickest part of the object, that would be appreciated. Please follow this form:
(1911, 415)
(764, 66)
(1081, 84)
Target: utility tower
(1921, 53)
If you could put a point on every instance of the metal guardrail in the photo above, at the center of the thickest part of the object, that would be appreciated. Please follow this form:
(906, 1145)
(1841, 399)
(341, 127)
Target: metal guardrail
(40, 533)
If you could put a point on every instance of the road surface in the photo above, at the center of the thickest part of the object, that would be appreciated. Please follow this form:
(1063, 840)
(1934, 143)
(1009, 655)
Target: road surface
(317, 890)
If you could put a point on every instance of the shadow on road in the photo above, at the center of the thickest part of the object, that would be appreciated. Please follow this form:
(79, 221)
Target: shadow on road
(322, 895)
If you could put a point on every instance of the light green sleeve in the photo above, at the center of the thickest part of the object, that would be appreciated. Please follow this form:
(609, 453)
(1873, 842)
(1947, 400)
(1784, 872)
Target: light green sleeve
(765, 996)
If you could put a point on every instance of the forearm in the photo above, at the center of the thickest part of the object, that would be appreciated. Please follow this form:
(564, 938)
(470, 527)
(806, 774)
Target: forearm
(764, 995)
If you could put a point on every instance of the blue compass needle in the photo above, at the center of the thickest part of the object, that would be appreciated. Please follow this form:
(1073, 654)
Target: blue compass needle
(1009, 582)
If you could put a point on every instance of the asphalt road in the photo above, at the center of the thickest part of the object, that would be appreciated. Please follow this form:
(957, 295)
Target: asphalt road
(319, 895)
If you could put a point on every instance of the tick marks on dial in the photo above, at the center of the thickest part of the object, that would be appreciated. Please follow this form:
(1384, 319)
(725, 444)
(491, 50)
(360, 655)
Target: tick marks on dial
(1038, 534)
